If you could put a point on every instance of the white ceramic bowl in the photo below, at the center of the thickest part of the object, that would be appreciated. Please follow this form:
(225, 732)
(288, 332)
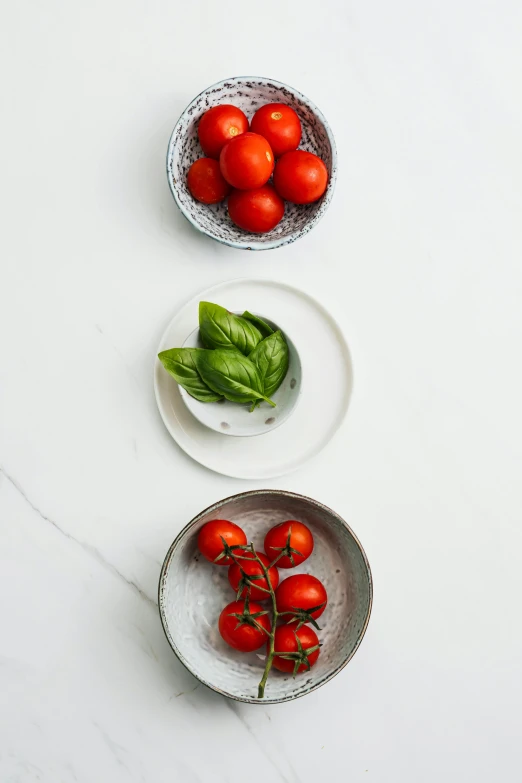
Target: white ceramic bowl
(249, 93)
(192, 593)
(230, 418)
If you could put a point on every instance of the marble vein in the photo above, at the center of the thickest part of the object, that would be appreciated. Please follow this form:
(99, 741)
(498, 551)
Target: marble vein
(120, 356)
(233, 707)
(184, 693)
(117, 750)
(88, 548)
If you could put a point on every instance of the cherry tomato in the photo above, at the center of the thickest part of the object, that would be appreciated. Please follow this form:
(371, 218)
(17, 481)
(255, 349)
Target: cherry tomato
(258, 210)
(300, 177)
(240, 627)
(247, 161)
(302, 591)
(206, 182)
(218, 125)
(280, 126)
(285, 642)
(252, 568)
(210, 542)
(301, 543)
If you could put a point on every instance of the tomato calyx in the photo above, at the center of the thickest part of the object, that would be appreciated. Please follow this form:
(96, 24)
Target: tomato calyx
(303, 616)
(300, 657)
(287, 550)
(247, 581)
(228, 550)
(246, 617)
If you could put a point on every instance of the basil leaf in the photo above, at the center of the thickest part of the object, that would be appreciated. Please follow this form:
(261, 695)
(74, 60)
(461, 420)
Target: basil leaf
(265, 329)
(271, 358)
(231, 374)
(181, 364)
(220, 329)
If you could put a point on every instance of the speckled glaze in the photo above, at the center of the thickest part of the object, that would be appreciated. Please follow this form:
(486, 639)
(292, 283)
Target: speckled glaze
(192, 593)
(229, 418)
(249, 93)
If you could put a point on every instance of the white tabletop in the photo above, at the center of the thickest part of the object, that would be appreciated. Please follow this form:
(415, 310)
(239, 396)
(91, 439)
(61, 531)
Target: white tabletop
(419, 258)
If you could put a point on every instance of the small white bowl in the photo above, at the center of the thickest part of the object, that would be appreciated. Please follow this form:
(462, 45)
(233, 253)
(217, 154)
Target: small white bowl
(248, 93)
(231, 418)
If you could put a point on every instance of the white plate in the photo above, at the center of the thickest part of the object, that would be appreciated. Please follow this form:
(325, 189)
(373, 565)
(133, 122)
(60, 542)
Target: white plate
(325, 393)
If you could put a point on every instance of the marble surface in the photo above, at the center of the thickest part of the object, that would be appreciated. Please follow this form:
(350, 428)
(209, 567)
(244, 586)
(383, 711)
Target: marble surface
(419, 258)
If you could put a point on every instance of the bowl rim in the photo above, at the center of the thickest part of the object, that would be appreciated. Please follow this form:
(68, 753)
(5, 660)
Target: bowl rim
(214, 507)
(184, 394)
(327, 198)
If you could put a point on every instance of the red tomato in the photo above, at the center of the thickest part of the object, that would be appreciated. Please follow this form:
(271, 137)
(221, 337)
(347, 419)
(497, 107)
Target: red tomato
(210, 537)
(252, 568)
(218, 125)
(280, 126)
(285, 642)
(302, 591)
(247, 161)
(258, 210)
(301, 543)
(241, 629)
(300, 177)
(206, 182)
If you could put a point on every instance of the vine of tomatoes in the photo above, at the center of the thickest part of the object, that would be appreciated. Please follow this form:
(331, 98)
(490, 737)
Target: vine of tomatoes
(247, 624)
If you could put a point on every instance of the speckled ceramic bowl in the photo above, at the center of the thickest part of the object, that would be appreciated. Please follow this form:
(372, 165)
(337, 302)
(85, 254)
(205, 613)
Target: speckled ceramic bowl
(192, 593)
(230, 418)
(249, 93)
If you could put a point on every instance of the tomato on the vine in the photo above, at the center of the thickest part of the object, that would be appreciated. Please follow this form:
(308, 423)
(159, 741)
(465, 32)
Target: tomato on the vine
(280, 126)
(302, 591)
(210, 540)
(244, 627)
(291, 537)
(218, 125)
(285, 641)
(300, 177)
(249, 577)
(258, 210)
(206, 182)
(247, 161)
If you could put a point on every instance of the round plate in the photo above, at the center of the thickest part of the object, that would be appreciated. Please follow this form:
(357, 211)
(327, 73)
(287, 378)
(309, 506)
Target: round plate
(322, 406)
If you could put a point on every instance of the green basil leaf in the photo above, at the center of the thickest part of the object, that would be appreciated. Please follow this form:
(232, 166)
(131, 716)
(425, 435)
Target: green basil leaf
(265, 329)
(271, 358)
(232, 375)
(181, 364)
(220, 329)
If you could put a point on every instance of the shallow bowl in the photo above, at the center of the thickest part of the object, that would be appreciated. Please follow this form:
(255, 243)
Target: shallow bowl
(192, 593)
(249, 93)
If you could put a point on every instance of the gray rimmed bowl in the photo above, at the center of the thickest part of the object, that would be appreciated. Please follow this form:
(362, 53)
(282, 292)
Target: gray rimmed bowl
(230, 418)
(192, 593)
(249, 93)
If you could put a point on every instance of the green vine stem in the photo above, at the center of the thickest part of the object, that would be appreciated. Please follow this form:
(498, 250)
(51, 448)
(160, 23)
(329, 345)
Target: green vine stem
(271, 647)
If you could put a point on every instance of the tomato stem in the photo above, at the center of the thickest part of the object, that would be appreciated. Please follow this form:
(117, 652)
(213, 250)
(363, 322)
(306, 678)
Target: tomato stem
(271, 647)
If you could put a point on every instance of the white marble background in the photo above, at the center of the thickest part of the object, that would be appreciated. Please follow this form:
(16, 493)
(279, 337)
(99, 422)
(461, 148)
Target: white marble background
(420, 259)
